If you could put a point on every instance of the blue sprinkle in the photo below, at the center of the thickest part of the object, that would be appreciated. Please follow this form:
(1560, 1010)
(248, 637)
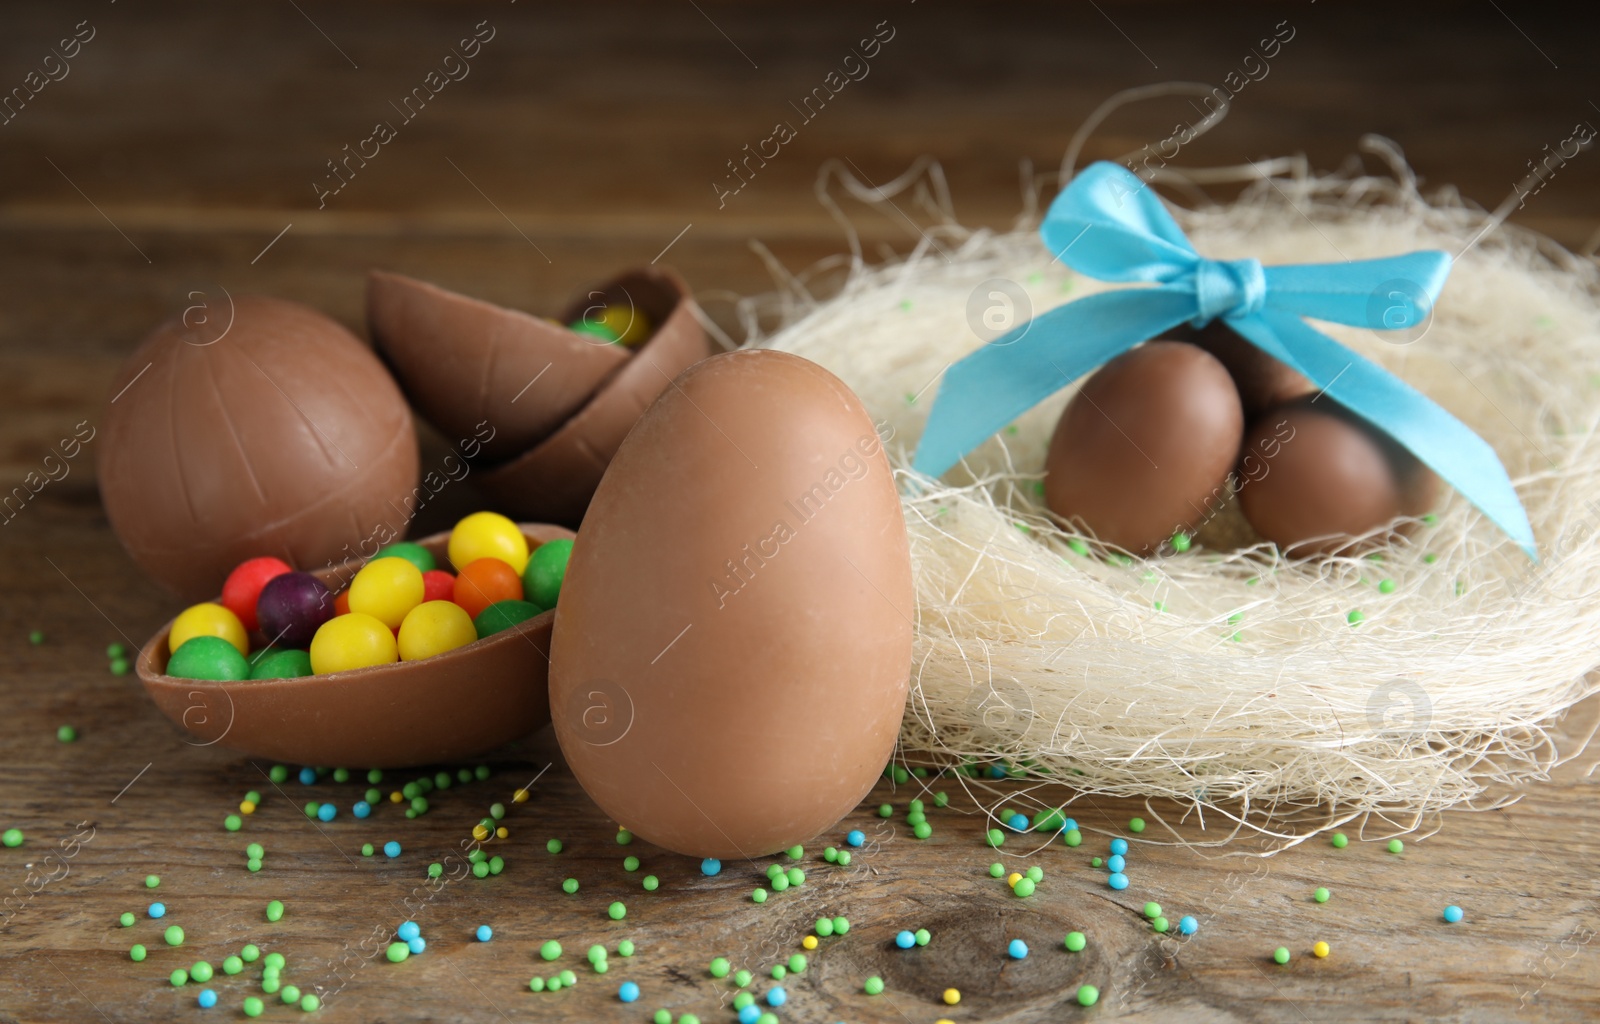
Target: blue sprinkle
(1069, 825)
(905, 940)
(1188, 925)
(207, 999)
(1018, 949)
(1119, 847)
(1116, 862)
(628, 992)
(750, 1014)
(326, 811)
(855, 838)
(308, 776)
(407, 931)
(1018, 822)
(361, 809)
(417, 944)
(158, 910)
(710, 866)
(1453, 913)
(996, 772)
(391, 849)
(484, 933)
(1118, 880)
(776, 996)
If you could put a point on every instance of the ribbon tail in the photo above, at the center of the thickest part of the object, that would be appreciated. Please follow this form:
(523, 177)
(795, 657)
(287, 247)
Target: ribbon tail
(1446, 445)
(988, 389)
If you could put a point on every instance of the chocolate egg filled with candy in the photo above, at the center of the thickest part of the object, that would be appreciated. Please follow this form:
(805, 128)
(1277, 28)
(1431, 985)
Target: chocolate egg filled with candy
(1144, 448)
(732, 644)
(1316, 479)
(264, 429)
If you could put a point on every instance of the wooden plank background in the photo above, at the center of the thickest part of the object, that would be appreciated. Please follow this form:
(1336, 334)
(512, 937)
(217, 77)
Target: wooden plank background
(186, 136)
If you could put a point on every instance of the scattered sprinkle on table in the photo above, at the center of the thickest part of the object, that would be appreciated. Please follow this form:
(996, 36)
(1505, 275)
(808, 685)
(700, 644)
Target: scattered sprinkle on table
(651, 883)
(617, 911)
(1119, 847)
(1075, 941)
(173, 935)
(1280, 955)
(1188, 925)
(12, 837)
(1117, 880)
(1017, 949)
(1321, 894)
(1396, 846)
(1152, 910)
(569, 886)
(207, 999)
(1088, 995)
(1116, 862)
(1136, 825)
(274, 910)
(709, 867)
(484, 933)
(126, 920)
(391, 849)
(759, 896)
(1453, 914)
(873, 986)
(952, 996)
(1319, 950)
(136, 952)
(628, 992)
(232, 823)
(554, 846)
(366, 849)
(397, 952)
(1339, 841)
(157, 910)
(66, 734)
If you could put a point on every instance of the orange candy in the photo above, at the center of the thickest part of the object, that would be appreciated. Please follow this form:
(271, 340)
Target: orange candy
(341, 602)
(485, 581)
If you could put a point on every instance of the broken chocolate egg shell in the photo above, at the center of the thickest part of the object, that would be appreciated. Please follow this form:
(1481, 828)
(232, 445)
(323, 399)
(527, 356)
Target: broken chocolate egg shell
(454, 705)
(464, 363)
(554, 482)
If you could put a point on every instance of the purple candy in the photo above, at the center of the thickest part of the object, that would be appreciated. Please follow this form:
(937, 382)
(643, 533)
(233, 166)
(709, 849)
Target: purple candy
(291, 607)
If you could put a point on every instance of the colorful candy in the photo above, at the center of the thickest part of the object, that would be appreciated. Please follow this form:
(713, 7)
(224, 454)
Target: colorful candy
(503, 615)
(243, 586)
(290, 664)
(416, 554)
(208, 620)
(208, 657)
(354, 641)
(488, 535)
(434, 627)
(547, 567)
(438, 585)
(386, 589)
(484, 582)
(291, 608)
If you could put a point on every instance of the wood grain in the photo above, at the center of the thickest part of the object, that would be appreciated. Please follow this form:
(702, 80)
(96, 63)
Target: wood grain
(187, 135)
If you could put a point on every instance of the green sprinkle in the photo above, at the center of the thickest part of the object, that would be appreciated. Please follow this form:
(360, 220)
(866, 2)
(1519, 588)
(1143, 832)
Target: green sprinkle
(997, 870)
(743, 978)
(480, 870)
(366, 849)
(596, 952)
(1339, 841)
(309, 1002)
(601, 967)
(1088, 995)
(232, 823)
(651, 883)
(996, 837)
(179, 977)
(435, 869)
(1072, 837)
(743, 999)
(496, 865)
(290, 994)
(232, 965)
(1136, 825)
(1396, 846)
(617, 911)
(274, 960)
(922, 830)
(35, 637)
(126, 919)
(773, 871)
(1355, 617)
(274, 910)
(1152, 910)
(1320, 895)
(568, 978)
(830, 854)
(1160, 924)
(1430, 558)
(1095, 862)
(550, 950)
(779, 972)
(780, 883)
(397, 952)
(662, 1017)
(630, 863)
(442, 780)
(311, 808)
(1280, 955)
(66, 734)
(120, 666)
(624, 837)
(569, 886)
(1023, 888)
(253, 1006)
(885, 810)
(1076, 941)
(760, 895)
(554, 846)
(341, 775)
(719, 967)
(173, 935)
(844, 858)
(255, 851)
(1036, 873)
(1180, 541)
(873, 986)
(278, 773)
(1386, 586)
(796, 876)
(841, 926)
(481, 772)
(797, 963)
(824, 927)
(625, 947)
(553, 985)
(901, 776)
(253, 864)
(1430, 518)
(249, 954)
(923, 936)
(941, 799)
(136, 952)
(536, 984)
(1078, 547)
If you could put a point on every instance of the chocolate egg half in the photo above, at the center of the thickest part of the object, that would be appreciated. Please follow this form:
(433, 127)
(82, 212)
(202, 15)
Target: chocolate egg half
(729, 664)
(1314, 477)
(1144, 448)
(264, 430)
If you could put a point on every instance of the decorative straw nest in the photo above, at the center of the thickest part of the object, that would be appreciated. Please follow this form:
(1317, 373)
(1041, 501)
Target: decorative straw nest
(1227, 677)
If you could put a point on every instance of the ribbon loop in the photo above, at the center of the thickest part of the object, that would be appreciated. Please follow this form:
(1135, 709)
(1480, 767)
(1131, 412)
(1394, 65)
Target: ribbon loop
(1109, 225)
(1228, 288)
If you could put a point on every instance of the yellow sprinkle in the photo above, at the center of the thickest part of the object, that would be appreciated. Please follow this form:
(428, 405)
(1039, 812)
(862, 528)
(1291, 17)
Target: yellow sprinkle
(395, 797)
(502, 832)
(944, 1020)
(520, 796)
(480, 833)
(1012, 879)
(246, 807)
(952, 996)
(1320, 949)
(809, 942)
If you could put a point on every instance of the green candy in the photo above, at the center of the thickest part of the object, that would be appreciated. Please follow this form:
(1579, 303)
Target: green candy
(617, 911)
(201, 972)
(416, 554)
(546, 569)
(173, 935)
(594, 329)
(1088, 995)
(285, 664)
(719, 967)
(274, 910)
(397, 952)
(136, 952)
(126, 920)
(1280, 955)
(253, 1006)
(873, 986)
(502, 615)
(1076, 941)
(208, 657)
(997, 870)
(1321, 895)
(1339, 841)
(232, 965)
(179, 978)
(550, 950)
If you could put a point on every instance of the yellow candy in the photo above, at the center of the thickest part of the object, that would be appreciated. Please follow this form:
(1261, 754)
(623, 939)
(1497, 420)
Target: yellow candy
(630, 325)
(501, 832)
(488, 535)
(480, 833)
(952, 996)
(208, 620)
(396, 797)
(519, 797)
(246, 807)
(1320, 949)
(434, 627)
(1013, 878)
(809, 942)
(386, 589)
(353, 641)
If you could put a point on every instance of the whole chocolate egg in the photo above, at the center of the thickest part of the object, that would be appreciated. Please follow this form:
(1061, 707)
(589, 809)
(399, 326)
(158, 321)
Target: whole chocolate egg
(264, 428)
(1263, 382)
(731, 651)
(1144, 448)
(1313, 477)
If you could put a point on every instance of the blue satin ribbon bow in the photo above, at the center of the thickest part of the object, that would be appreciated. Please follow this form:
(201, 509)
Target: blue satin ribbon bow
(1108, 225)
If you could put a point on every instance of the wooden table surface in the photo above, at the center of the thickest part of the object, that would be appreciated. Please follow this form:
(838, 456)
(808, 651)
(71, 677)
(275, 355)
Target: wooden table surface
(179, 155)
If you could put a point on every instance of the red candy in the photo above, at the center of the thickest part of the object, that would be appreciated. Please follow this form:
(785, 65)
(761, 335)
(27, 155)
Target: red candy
(485, 581)
(243, 586)
(438, 585)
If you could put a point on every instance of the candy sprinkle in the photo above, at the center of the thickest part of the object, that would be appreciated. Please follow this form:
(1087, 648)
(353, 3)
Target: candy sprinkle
(1339, 841)
(1188, 925)
(628, 992)
(554, 846)
(484, 933)
(274, 910)
(66, 734)
(873, 986)
(1453, 914)
(710, 866)
(1119, 847)
(157, 910)
(1280, 955)
(1320, 950)
(173, 935)
(952, 996)
(1088, 995)
(809, 942)
(1076, 941)
(617, 911)
(1321, 894)
(1117, 880)
(1136, 825)
(11, 837)
(1396, 846)
(1152, 910)
(1017, 949)
(391, 849)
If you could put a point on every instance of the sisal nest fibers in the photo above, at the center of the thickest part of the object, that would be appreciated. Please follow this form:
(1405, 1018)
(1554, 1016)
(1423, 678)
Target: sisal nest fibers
(1230, 679)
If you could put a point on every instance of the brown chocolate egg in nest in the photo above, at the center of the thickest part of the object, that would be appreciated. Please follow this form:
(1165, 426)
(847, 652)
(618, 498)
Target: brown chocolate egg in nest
(459, 704)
